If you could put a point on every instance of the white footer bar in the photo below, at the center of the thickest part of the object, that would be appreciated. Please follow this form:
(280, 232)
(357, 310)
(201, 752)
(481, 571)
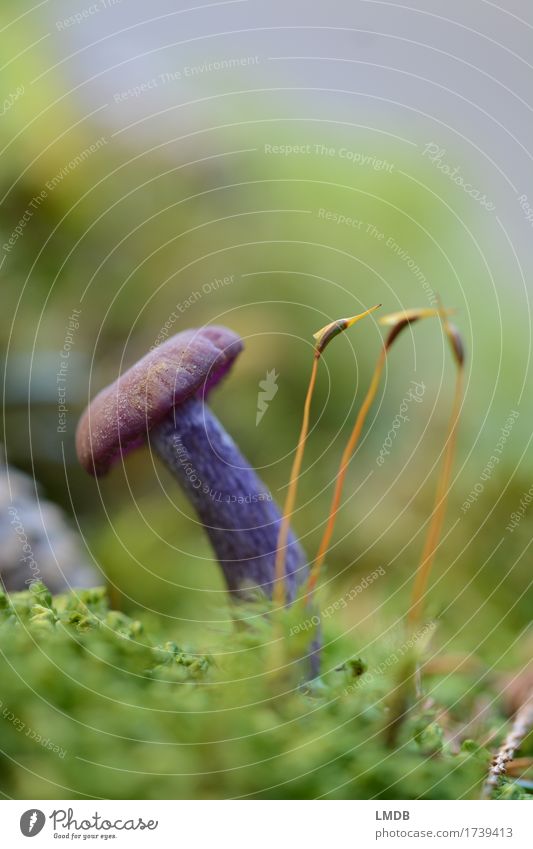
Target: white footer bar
(266, 824)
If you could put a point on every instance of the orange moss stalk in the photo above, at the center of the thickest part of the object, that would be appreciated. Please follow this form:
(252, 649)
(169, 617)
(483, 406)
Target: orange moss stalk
(341, 474)
(441, 498)
(408, 675)
(322, 338)
(397, 322)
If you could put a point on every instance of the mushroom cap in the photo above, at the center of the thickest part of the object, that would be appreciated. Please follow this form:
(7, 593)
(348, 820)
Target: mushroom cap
(118, 419)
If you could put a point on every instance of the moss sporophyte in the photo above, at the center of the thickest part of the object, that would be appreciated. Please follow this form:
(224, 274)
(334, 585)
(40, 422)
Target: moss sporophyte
(408, 678)
(397, 322)
(322, 339)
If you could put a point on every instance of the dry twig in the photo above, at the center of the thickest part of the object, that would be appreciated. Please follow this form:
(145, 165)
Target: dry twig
(522, 724)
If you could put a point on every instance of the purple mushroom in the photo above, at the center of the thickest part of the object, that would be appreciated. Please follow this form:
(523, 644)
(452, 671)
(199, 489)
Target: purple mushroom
(162, 400)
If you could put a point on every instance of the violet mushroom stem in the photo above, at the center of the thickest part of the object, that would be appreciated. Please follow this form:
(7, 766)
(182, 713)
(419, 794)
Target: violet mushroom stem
(235, 507)
(162, 400)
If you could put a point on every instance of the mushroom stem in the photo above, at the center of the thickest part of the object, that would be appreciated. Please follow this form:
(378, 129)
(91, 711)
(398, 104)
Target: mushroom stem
(235, 507)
